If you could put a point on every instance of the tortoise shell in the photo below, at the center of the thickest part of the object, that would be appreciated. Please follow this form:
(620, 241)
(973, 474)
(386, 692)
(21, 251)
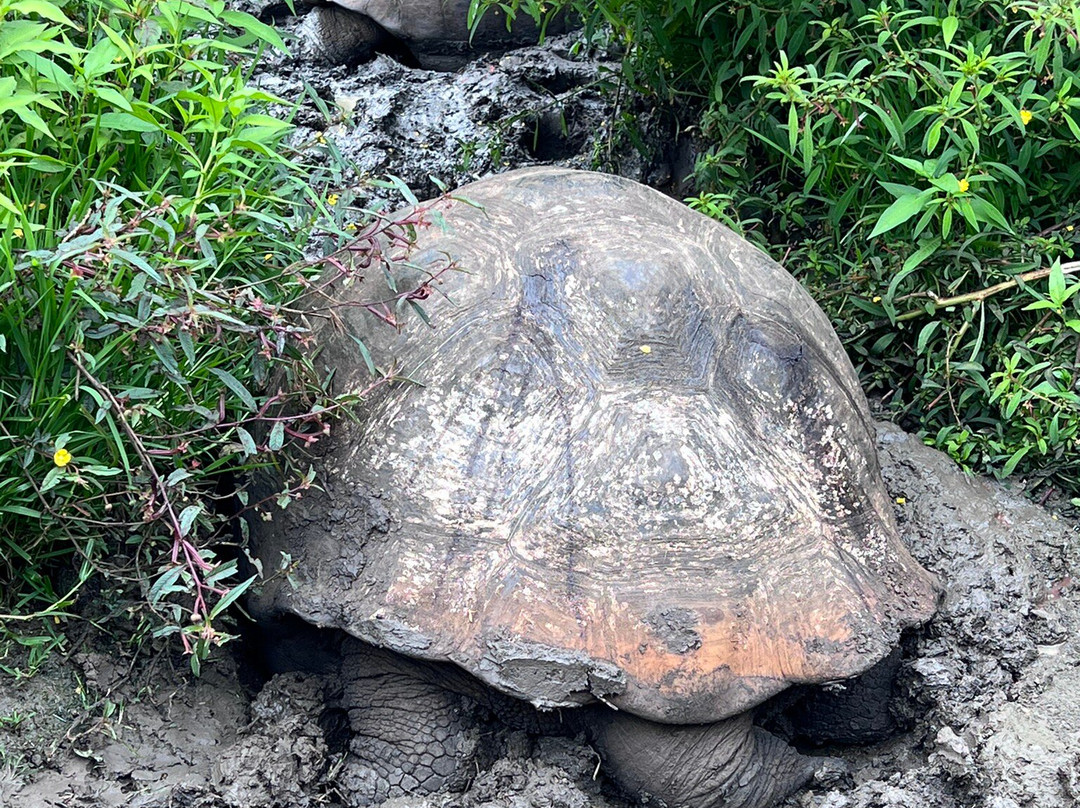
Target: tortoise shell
(636, 466)
(418, 21)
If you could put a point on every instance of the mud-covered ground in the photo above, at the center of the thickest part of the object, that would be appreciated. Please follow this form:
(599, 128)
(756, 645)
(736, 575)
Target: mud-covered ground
(547, 104)
(989, 691)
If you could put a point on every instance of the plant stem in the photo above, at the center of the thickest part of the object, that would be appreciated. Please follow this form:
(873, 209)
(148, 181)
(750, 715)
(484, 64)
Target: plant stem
(982, 294)
(194, 562)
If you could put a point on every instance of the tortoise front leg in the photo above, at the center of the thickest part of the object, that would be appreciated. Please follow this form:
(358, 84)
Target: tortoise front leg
(409, 735)
(727, 764)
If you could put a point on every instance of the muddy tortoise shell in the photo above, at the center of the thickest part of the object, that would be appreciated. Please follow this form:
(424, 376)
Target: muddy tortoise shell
(428, 21)
(637, 466)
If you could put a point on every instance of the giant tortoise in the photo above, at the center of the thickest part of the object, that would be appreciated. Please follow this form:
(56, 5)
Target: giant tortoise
(632, 474)
(348, 31)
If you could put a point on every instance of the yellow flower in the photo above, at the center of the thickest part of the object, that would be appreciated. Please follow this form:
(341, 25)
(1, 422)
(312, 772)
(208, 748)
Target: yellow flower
(61, 457)
(901, 500)
(332, 199)
(964, 185)
(646, 349)
(1025, 116)
(17, 232)
(350, 226)
(1069, 228)
(268, 257)
(877, 299)
(320, 139)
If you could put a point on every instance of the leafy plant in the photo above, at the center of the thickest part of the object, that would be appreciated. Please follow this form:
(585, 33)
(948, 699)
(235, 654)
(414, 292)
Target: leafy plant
(152, 231)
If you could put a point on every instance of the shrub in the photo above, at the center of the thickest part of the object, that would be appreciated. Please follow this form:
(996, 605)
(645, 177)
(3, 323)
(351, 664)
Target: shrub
(151, 234)
(917, 165)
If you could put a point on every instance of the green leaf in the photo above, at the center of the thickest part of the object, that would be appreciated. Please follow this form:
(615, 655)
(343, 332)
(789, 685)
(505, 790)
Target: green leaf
(365, 353)
(248, 442)
(9, 206)
(933, 136)
(792, 128)
(188, 517)
(139, 262)
(101, 59)
(1073, 126)
(112, 96)
(1057, 284)
(1014, 401)
(899, 212)
(230, 597)
(898, 189)
(246, 22)
(987, 212)
(972, 135)
(20, 510)
(277, 436)
(176, 476)
(925, 334)
(234, 384)
(891, 123)
(1039, 305)
(918, 166)
(403, 189)
(43, 9)
(31, 118)
(187, 345)
(19, 35)
(122, 122)
(1012, 462)
(925, 250)
(948, 29)
(166, 356)
(166, 584)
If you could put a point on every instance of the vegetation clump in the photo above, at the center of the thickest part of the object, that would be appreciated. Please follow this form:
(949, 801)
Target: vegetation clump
(152, 230)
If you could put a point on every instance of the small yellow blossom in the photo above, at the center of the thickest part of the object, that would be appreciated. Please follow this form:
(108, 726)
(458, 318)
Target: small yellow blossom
(61, 457)
(350, 226)
(17, 232)
(964, 185)
(901, 500)
(646, 349)
(1025, 116)
(877, 299)
(320, 139)
(268, 257)
(1069, 228)
(332, 199)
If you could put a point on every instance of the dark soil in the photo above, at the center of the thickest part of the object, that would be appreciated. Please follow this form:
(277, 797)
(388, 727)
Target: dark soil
(987, 695)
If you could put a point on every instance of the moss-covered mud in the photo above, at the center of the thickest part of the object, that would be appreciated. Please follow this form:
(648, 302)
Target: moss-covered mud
(990, 691)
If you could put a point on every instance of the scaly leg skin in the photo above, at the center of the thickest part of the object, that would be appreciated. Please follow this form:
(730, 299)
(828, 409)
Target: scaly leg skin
(408, 735)
(728, 764)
